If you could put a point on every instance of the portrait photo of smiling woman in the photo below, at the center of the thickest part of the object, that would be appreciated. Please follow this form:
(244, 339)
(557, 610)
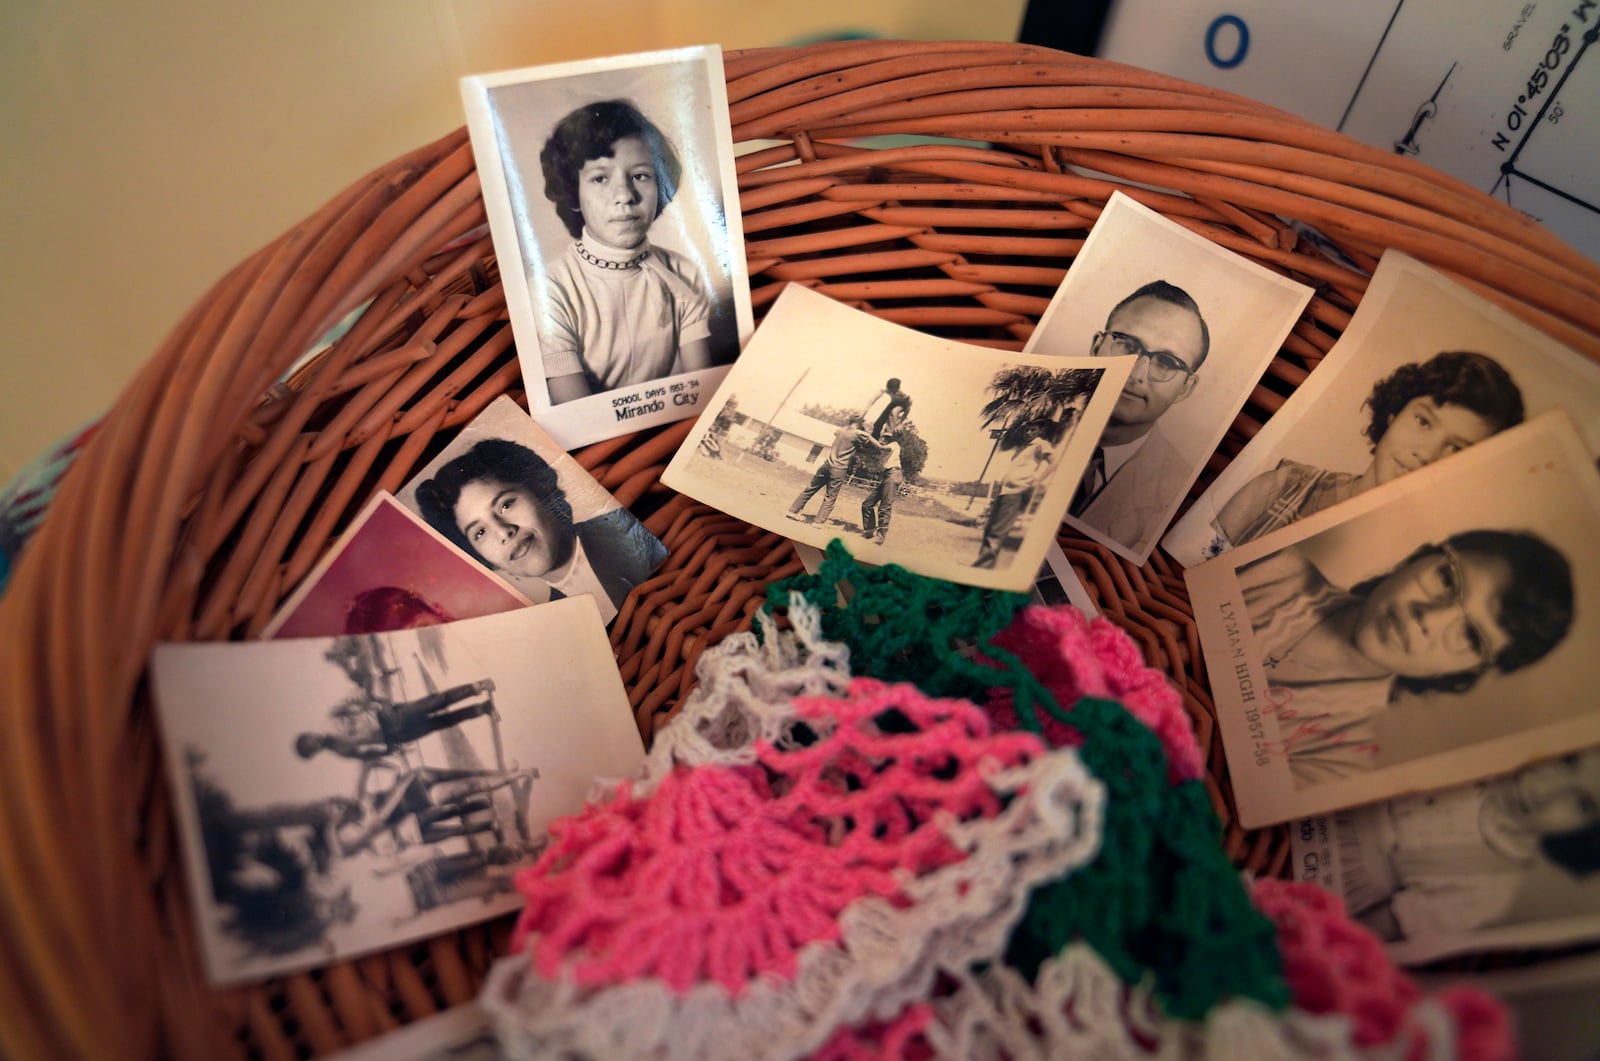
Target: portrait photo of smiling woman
(610, 190)
(506, 494)
(1425, 370)
(1418, 414)
(502, 503)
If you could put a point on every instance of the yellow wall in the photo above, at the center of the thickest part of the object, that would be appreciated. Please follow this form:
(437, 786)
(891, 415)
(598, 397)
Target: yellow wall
(153, 146)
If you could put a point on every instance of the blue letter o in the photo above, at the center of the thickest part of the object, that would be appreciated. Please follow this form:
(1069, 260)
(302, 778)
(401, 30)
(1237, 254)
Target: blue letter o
(1240, 51)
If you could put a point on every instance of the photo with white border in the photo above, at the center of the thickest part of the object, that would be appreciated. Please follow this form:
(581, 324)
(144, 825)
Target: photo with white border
(1425, 368)
(1204, 324)
(1508, 863)
(510, 497)
(1377, 648)
(950, 459)
(338, 796)
(614, 209)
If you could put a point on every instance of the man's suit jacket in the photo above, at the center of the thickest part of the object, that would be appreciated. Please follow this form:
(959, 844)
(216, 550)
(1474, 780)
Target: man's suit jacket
(1131, 509)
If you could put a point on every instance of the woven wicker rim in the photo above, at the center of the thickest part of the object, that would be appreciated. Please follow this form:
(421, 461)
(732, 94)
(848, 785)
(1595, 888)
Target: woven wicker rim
(211, 488)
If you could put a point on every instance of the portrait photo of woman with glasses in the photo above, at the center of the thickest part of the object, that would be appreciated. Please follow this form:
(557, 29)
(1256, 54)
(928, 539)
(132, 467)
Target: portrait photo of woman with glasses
(1452, 611)
(1433, 630)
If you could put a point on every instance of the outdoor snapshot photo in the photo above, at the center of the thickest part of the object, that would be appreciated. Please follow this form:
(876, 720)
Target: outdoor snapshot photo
(1425, 369)
(1057, 583)
(512, 499)
(952, 460)
(1376, 649)
(390, 571)
(1509, 863)
(1203, 323)
(347, 794)
(614, 209)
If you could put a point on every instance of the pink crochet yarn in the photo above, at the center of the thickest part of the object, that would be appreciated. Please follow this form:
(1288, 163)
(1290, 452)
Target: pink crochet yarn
(1335, 966)
(1075, 657)
(724, 873)
(898, 1040)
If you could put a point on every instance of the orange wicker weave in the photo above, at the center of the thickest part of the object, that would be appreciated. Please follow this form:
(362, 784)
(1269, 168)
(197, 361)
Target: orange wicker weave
(212, 488)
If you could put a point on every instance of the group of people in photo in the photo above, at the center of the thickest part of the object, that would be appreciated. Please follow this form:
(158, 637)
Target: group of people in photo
(876, 430)
(278, 871)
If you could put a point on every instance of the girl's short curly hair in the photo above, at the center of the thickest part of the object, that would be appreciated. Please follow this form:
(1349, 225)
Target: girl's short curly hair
(1455, 377)
(591, 132)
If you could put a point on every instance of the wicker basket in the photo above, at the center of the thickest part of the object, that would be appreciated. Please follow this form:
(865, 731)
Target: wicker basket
(212, 488)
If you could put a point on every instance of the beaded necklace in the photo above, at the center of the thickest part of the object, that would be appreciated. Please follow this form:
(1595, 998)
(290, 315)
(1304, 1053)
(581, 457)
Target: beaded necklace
(607, 263)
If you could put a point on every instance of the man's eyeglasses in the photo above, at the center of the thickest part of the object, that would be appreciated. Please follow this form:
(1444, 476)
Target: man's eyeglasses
(1163, 366)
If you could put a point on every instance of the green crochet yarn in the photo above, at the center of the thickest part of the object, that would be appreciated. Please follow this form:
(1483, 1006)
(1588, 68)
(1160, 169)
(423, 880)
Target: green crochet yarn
(1161, 897)
(902, 627)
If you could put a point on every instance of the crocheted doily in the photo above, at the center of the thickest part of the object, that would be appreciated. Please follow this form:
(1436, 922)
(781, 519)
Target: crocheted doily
(813, 865)
(752, 908)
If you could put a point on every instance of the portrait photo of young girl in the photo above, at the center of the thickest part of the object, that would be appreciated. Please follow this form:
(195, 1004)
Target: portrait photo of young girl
(1373, 648)
(612, 203)
(1425, 370)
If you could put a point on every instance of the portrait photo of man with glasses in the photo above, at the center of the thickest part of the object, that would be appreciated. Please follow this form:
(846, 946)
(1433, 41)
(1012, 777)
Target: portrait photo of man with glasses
(1198, 323)
(1135, 470)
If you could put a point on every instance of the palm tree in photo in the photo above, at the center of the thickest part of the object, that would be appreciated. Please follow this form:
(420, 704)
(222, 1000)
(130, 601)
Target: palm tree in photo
(1024, 393)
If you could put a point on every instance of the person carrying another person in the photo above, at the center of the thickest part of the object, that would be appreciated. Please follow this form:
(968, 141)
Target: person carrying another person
(834, 469)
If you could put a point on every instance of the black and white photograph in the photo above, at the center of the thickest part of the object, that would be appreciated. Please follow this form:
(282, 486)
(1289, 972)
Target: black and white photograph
(390, 571)
(347, 794)
(1057, 583)
(1202, 324)
(1377, 648)
(1425, 369)
(510, 497)
(949, 459)
(613, 206)
(1507, 863)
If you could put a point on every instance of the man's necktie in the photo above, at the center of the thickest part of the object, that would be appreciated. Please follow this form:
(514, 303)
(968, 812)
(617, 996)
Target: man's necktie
(1094, 478)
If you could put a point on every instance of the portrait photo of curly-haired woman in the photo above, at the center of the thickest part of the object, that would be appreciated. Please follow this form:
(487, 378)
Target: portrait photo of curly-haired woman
(613, 208)
(1425, 370)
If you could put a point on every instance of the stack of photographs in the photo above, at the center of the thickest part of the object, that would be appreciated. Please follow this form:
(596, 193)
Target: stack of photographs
(438, 689)
(1406, 548)
(1396, 585)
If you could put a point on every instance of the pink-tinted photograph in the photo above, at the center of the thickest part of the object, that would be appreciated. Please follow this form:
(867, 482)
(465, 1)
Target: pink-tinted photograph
(391, 571)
